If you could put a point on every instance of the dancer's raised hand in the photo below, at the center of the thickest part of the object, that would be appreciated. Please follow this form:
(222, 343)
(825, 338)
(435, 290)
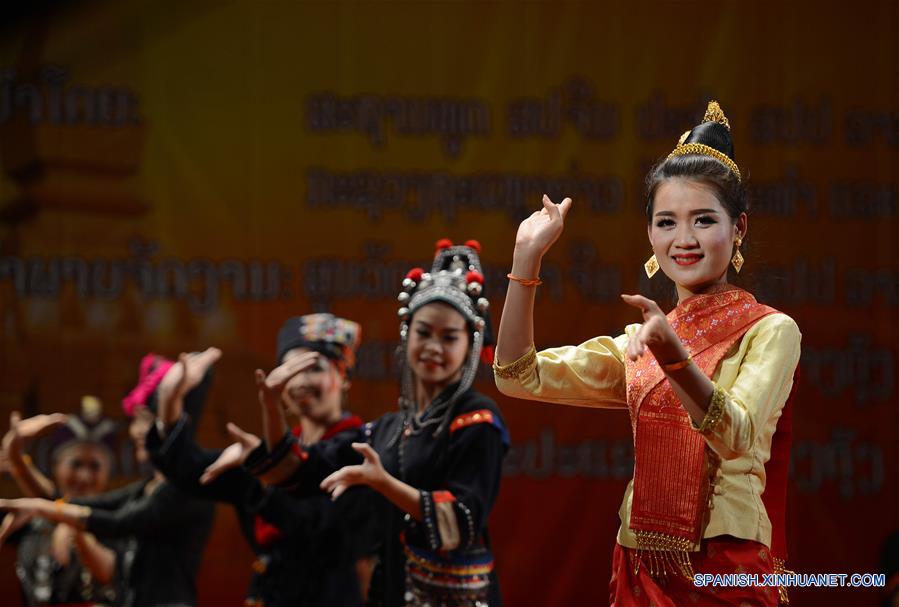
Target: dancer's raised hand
(537, 233)
(233, 456)
(535, 236)
(193, 369)
(271, 390)
(13, 459)
(21, 430)
(277, 379)
(184, 376)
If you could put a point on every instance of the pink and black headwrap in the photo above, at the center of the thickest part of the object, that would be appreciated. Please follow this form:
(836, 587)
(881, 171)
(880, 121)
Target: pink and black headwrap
(152, 369)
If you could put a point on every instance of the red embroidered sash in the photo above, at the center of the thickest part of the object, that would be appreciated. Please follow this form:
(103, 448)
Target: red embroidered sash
(672, 462)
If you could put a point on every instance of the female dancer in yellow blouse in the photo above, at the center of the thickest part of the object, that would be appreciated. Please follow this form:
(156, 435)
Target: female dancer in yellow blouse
(705, 386)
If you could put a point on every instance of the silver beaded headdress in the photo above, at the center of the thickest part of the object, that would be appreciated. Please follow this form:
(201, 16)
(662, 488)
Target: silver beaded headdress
(456, 279)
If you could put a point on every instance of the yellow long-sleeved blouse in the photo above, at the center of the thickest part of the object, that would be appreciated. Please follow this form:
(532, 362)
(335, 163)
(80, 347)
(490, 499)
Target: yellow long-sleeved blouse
(754, 378)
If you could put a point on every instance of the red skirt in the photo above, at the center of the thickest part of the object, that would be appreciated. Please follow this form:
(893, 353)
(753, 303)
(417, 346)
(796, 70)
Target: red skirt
(720, 555)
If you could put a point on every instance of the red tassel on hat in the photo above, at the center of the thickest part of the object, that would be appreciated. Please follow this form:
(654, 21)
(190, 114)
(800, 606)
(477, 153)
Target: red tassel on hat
(415, 274)
(473, 244)
(474, 276)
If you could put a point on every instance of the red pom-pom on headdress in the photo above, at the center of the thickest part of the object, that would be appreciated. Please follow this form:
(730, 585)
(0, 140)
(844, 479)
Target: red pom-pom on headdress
(473, 244)
(474, 276)
(415, 274)
(443, 243)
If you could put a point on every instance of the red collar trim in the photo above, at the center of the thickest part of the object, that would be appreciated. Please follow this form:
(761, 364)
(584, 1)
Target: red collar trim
(349, 422)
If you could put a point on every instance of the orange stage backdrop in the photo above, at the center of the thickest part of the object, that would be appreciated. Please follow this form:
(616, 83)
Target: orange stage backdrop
(180, 175)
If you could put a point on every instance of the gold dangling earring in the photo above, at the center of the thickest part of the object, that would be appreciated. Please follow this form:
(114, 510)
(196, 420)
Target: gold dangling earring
(737, 260)
(651, 266)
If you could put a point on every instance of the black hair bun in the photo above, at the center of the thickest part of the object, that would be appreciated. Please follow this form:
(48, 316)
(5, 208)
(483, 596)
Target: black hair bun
(715, 135)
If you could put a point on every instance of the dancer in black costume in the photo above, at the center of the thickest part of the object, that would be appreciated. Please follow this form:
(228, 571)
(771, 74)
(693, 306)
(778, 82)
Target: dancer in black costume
(435, 463)
(307, 549)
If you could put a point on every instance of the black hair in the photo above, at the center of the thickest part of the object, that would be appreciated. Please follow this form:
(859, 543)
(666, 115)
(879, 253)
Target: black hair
(724, 183)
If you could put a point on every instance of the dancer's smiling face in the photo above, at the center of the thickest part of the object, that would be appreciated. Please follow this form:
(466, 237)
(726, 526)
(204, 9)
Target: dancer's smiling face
(81, 469)
(438, 344)
(318, 391)
(692, 235)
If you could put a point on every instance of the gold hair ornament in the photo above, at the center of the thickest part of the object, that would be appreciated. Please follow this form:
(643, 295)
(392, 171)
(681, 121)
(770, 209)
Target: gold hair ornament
(713, 113)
